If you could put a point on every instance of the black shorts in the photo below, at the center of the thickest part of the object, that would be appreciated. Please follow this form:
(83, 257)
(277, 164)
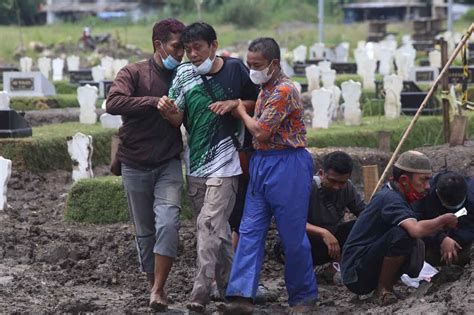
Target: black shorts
(238, 211)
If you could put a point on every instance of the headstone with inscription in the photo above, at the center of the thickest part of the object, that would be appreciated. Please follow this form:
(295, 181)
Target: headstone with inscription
(108, 64)
(27, 84)
(77, 76)
(424, 74)
(328, 78)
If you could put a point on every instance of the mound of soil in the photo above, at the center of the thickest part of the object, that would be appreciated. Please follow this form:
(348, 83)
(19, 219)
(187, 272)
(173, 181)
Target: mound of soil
(48, 265)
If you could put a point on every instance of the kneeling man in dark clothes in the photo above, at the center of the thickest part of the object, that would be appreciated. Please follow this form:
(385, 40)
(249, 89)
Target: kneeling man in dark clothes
(385, 240)
(449, 193)
(332, 194)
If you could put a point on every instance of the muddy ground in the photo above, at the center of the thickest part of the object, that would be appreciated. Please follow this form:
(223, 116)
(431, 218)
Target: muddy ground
(48, 265)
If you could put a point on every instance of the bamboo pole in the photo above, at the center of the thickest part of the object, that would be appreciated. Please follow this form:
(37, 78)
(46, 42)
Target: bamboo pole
(422, 107)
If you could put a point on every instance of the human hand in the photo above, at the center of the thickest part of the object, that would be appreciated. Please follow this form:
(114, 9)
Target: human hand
(167, 105)
(331, 242)
(240, 110)
(450, 220)
(449, 250)
(222, 107)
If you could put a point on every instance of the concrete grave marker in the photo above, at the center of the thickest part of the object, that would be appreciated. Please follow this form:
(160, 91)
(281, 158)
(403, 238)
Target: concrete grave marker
(312, 76)
(44, 66)
(342, 52)
(108, 64)
(393, 85)
(405, 60)
(299, 54)
(4, 101)
(316, 52)
(321, 101)
(87, 97)
(25, 64)
(434, 57)
(351, 92)
(386, 61)
(72, 63)
(328, 78)
(27, 84)
(80, 149)
(118, 64)
(424, 74)
(5, 173)
(58, 67)
(110, 121)
(98, 73)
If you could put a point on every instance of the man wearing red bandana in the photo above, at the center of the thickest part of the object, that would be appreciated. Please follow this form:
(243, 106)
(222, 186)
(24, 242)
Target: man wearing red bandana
(385, 242)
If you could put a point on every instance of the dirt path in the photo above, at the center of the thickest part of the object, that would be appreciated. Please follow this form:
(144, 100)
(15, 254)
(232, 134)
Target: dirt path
(49, 265)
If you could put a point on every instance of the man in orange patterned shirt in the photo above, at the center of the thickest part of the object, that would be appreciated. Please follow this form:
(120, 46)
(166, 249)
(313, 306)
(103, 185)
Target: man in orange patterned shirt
(281, 171)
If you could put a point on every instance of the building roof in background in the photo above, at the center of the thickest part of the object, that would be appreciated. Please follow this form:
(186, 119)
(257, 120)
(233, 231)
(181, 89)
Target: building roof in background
(383, 5)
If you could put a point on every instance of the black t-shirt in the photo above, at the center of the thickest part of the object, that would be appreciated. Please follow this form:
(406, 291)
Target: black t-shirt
(326, 209)
(387, 209)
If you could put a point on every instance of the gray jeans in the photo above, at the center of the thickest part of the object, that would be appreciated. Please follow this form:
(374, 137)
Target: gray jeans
(213, 201)
(154, 203)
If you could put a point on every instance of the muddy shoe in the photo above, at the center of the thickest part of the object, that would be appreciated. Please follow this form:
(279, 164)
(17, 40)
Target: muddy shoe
(196, 307)
(264, 295)
(238, 307)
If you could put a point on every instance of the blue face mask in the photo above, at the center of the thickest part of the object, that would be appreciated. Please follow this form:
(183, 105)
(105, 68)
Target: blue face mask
(204, 67)
(169, 62)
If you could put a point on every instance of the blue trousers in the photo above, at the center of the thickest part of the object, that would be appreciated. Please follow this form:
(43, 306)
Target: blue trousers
(280, 186)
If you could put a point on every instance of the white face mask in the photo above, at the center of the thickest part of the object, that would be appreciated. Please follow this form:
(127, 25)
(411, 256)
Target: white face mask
(260, 76)
(204, 67)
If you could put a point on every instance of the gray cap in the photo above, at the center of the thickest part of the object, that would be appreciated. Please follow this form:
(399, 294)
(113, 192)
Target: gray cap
(414, 162)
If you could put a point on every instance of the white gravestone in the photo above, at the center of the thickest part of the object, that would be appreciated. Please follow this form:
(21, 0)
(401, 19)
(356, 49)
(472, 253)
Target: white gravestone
(312, 76)
(5, 172)
(324, 66)
(405, 60)
(72, 63)
(392, 85)
(351, 92)
(435, 58)
(329, 54)
(328, 78)
(80, 149)
(44, 66)
(342, 52)
(25, 64)
(361, 44)
(58, 67)
(321, 101)
(108, 64)
(119, 64)
(98, 73)
(360, 54)
(368, 67)
(4, 101)
(316, 52)
(110, 121)
(373, 50)
(386, 61)
(287, 69)
(87, 97)
(299, 54)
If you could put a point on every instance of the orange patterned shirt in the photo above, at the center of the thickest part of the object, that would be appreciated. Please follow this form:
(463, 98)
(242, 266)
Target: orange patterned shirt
(279, 110)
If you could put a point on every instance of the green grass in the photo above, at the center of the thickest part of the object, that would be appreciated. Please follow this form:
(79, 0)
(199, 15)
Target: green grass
(47, 148)
(427, 131)
(102, 200)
